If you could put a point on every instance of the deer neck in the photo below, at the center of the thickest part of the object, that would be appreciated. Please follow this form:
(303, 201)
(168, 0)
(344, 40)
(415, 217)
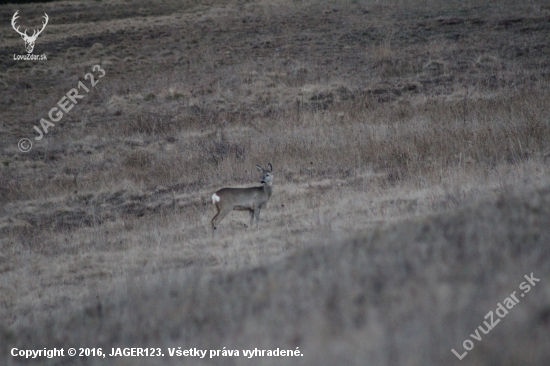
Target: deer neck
(268, 189)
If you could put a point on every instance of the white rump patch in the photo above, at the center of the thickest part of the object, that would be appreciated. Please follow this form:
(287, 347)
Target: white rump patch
(215, 198)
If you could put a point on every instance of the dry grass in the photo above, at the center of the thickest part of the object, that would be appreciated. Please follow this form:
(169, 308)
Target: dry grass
(421, 130)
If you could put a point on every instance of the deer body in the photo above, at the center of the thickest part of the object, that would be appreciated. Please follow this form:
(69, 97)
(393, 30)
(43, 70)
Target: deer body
(251, 199)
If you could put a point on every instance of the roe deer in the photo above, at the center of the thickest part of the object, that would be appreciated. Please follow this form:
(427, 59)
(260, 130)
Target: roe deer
(251, 199)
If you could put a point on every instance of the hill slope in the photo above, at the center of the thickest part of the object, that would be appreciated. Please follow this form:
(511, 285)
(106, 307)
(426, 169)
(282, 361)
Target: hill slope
(401, 295)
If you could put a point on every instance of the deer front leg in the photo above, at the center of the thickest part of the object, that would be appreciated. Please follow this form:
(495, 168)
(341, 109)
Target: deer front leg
(257, 215)
(251, 217)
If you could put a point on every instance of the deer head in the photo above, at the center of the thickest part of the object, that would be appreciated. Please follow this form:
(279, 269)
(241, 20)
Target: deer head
(29, 41)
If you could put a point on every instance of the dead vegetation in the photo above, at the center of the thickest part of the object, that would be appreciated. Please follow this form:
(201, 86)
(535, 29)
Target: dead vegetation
(386, 122)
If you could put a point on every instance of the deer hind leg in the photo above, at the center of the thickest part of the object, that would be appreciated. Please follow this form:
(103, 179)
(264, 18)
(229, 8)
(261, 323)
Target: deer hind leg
(220, 215)
(216, 215)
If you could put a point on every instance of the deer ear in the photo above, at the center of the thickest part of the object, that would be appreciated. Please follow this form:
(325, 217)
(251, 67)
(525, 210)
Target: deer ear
(259, 168)
(270, 167)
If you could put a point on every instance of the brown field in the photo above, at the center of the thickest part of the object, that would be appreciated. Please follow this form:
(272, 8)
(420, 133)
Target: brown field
(410, 144)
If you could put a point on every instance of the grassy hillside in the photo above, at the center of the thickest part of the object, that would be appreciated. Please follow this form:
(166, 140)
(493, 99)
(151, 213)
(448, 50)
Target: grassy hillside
(404, 294)
(410, 147)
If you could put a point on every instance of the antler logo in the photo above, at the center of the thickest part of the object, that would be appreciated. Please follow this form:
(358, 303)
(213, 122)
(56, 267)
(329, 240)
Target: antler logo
(29, 41)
